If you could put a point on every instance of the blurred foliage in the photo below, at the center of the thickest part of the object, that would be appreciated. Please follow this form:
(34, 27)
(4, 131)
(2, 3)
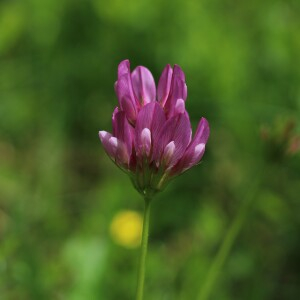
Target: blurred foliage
(59, 192)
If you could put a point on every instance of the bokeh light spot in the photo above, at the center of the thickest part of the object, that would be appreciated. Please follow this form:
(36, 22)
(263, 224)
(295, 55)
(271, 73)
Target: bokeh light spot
(126, 228)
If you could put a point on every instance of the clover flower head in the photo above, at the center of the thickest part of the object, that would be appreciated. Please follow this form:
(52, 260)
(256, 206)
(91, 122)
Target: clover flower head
(152, 136)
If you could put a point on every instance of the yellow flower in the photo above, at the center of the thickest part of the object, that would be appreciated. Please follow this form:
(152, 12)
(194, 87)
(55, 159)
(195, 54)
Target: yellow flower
(126, 228)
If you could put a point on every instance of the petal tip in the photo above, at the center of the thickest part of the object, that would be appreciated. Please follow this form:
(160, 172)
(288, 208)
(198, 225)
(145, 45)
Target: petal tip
(123, 67)
(102, 134)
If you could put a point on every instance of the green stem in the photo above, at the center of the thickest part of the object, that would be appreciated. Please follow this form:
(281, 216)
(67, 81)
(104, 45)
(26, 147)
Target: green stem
(144, 246)
(222, 254)
(229, 239)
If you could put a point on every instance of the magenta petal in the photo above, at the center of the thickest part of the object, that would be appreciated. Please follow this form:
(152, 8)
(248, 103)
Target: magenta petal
(123, 130)
(202, 133)
(126, 97)
(179, 107)
(178, 85)
(115, 148)
(178, 73)
(164, 85)
(178, 130)
(146, 141)
(143, 85)
(168, 153)
(116, 110)
(123, 68)
(179, 91)
(129, 108)
(108, 147)
(151, 116)
(196, 149)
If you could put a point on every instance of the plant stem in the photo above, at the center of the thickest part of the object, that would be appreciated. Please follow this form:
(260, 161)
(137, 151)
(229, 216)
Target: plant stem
(144, 246)
(228, 241)
(222, 254)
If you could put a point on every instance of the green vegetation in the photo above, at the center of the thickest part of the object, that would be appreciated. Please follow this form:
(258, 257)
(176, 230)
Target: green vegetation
(227, 229)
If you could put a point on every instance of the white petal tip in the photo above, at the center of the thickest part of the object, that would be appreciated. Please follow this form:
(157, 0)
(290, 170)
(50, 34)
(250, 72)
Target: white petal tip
(199, 148)
(169, 152)
(113, 141)
(146, 134)
(146, 140)
(180, 106)
(102, 134)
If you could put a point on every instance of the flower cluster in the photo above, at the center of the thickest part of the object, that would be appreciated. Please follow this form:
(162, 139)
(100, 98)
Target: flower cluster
(152, 136)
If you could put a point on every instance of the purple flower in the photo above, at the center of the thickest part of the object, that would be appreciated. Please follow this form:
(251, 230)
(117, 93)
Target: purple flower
(152, 136)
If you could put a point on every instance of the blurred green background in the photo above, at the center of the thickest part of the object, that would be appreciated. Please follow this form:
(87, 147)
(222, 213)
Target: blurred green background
(59, 192)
